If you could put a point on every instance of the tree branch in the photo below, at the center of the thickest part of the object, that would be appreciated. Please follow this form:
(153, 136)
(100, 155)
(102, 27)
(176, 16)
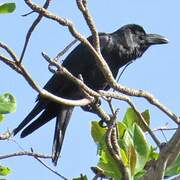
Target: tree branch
(168, 154)
(25, 153)
(31, 29)
(128, 100)
(82, 5)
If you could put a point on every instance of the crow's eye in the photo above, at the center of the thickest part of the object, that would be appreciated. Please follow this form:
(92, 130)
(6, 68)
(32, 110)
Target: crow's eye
(141, 37)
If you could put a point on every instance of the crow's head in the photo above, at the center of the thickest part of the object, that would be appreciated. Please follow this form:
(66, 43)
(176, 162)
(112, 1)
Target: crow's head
(135, 39)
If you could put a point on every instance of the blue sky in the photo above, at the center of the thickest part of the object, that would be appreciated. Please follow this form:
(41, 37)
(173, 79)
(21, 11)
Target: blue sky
(157, 71)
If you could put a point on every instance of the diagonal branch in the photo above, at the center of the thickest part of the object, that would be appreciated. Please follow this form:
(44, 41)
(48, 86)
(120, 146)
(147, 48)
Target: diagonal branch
(44, 93)
(168, 154)
(82, 5)
(128, 100)
(31, 29)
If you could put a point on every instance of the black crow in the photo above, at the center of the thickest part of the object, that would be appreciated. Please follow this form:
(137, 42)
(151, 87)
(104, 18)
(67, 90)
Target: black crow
(118, 48)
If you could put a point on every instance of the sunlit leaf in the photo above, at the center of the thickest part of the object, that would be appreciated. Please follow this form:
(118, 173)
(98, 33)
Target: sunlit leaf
(4, 171)
(134, 149)
(124, 157)
(7, 103)
(131, 117)
(1, 117)
(106, 162)
(97, 132)
(127, 140)
(109, 165)
(7, 8)
(121, 129)
(153, 154)
(142, 148)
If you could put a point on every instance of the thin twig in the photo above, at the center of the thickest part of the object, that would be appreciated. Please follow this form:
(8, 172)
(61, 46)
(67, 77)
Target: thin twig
(11, 64)
(11, 53)
(52, 170)
(25, 153)
(65, 49)
(109, 100)
(31, 29)
(27, 14)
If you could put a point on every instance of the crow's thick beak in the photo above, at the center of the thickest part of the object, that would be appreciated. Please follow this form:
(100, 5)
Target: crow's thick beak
(153, 39)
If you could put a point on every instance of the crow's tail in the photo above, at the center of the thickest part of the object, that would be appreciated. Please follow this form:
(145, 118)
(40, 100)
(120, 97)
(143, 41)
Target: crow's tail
(35, 111)
(61, 124)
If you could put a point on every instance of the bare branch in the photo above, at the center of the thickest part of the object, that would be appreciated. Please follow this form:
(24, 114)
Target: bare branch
(169, 152)
(11, 53)
(20, 69)
(25, 153)
(82, 5)
(65, 72)
(52, 170)
(65, 49)
(31, 29)
(11, 64)
(128, 100)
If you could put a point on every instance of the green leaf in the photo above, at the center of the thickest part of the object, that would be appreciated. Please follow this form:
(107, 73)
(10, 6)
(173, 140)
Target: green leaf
(7, 8)
(132, 159)
(82, 177)
(97, 132)
(121, 129)
(1, 117)
(139, 175)
(153, 154)
(106, 162)
(109, 165)
(7, 103)
(174, 168)
(131, 117)
(134, 149)
(4, 170)
(142, 148)
(124, 157)
(146, 116)
(127, 140)
(127, 145)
